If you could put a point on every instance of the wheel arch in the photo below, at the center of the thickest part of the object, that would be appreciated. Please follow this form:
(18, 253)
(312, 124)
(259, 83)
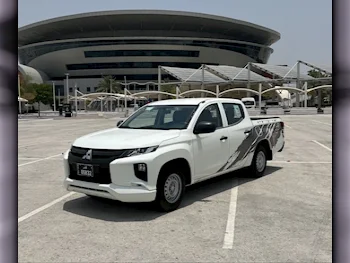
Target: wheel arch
(266, 144)
(181, 164)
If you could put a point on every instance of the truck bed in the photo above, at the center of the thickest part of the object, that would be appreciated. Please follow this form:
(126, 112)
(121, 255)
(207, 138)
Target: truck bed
(262, 118)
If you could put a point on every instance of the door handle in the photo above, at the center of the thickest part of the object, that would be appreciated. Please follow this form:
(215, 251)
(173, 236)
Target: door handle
(223, 138)
(247, 131)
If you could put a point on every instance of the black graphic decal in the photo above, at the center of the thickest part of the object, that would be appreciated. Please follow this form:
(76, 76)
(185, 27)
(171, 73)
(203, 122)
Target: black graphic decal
(271, 132)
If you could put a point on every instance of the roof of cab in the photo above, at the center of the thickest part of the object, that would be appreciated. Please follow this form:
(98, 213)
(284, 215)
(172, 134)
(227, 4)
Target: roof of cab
(192, 101)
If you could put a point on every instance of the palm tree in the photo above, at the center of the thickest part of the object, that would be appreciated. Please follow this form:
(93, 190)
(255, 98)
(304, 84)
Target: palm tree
(108, 84)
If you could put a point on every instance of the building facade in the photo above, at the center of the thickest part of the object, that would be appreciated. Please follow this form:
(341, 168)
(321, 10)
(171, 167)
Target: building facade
(131, 44)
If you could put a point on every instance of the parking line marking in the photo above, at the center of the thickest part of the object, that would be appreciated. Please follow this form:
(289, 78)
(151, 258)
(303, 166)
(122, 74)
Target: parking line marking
(230, 226)
(28, 158)
(323, 123)
(288, 126)
(299, 162)
(322, 145)
(40, 209)
(43, 159)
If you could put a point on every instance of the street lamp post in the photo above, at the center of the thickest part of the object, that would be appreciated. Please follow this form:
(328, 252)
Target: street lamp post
(110, 91)
(54, 96)
(19, 96)
(67, 88)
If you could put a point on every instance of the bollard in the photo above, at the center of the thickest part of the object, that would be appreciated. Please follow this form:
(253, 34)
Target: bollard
(286, 110)
(320, 111)
(263, 111)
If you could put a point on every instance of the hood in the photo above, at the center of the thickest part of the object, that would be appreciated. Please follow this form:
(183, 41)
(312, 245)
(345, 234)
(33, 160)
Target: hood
(120, 139)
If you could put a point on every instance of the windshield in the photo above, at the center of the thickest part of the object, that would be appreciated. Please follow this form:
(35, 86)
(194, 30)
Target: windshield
(249, 103)
(162, 117)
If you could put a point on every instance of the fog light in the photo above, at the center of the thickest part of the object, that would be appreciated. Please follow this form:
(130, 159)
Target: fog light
(142, 167)
(140, 170)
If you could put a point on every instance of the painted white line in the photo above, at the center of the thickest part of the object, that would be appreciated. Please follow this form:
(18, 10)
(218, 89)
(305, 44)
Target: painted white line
(300, 162)
(322, 145)
(35, 120)
(230, 226)
(43, 159)
(28, 158)
(288, 126)
(40, 209)
(323, 123)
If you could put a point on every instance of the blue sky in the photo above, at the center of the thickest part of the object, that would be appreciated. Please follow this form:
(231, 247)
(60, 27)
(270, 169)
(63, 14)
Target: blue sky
(305, 25)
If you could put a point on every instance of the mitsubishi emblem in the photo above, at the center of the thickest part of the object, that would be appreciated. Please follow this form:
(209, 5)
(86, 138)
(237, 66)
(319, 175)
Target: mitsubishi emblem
(88, 155)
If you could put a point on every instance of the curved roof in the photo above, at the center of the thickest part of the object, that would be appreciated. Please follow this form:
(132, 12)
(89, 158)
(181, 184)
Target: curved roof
(144, 23)
(36, 76)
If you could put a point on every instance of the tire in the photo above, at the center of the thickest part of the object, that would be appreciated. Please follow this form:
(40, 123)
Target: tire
(169, 180)
(259, 162)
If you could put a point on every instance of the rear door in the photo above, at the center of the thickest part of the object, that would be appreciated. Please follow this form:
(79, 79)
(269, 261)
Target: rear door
(210, 150)
(239, 130)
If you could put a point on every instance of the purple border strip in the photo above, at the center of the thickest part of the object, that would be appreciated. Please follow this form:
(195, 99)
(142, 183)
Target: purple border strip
(341, 138)
(8, 131)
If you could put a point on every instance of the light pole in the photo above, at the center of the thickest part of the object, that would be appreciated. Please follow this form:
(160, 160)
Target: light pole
(54, 96)
(110, 90)
(67, 88)
(19, 95)
(76, 99)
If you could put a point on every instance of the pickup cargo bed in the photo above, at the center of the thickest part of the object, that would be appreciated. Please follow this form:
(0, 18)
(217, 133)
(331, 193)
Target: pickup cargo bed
(262, 118)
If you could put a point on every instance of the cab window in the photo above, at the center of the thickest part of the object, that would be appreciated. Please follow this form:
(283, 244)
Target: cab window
(211, 114)
(234, 113)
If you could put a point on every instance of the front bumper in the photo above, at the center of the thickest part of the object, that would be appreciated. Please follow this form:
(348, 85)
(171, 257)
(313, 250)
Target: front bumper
(111, 191)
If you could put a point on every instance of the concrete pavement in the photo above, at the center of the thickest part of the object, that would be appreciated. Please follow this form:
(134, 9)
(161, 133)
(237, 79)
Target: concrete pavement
(286, 216)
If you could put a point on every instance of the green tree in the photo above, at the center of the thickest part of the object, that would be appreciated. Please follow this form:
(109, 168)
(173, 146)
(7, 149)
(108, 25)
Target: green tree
(43, 94)
(170, 89)
(26, 89)
(105, 85)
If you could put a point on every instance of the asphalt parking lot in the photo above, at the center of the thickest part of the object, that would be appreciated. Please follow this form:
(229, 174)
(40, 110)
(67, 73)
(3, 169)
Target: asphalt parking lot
(285, 216)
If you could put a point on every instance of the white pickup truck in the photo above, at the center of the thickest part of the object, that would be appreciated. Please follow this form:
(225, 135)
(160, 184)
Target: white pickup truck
(166, 145)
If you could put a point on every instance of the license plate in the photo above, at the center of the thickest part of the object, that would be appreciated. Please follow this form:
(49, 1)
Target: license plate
(86, 170)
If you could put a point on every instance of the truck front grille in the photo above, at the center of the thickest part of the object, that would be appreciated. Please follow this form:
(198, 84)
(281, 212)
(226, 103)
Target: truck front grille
(100, 160)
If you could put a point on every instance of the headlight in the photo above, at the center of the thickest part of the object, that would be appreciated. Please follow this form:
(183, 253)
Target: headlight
(139, 151)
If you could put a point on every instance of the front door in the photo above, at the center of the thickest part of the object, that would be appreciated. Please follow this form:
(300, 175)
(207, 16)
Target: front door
(210, 150)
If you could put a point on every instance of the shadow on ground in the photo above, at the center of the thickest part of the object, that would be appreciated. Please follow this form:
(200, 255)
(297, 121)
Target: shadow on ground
(110, 210)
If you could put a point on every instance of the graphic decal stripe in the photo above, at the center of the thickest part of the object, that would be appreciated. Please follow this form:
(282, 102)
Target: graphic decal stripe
(271, 132)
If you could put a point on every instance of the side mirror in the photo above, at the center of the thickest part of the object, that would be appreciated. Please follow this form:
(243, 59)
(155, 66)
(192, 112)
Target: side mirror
(119, 123)
(204, 127)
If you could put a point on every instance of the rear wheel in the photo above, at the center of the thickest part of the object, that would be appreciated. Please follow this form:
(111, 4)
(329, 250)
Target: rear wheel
(170, 190)
(259, 162)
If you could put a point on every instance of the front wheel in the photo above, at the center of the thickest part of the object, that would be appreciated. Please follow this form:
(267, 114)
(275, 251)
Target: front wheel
(170, 190)
(259, 162)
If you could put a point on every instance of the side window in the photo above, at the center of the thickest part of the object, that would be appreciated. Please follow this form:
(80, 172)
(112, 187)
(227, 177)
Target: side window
(234, 113)
(211, 113)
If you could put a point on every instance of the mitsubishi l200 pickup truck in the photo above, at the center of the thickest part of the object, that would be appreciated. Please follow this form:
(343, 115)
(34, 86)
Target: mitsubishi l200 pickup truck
(167, 145)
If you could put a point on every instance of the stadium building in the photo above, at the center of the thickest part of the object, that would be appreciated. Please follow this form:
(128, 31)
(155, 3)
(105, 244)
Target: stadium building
(132, 44)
